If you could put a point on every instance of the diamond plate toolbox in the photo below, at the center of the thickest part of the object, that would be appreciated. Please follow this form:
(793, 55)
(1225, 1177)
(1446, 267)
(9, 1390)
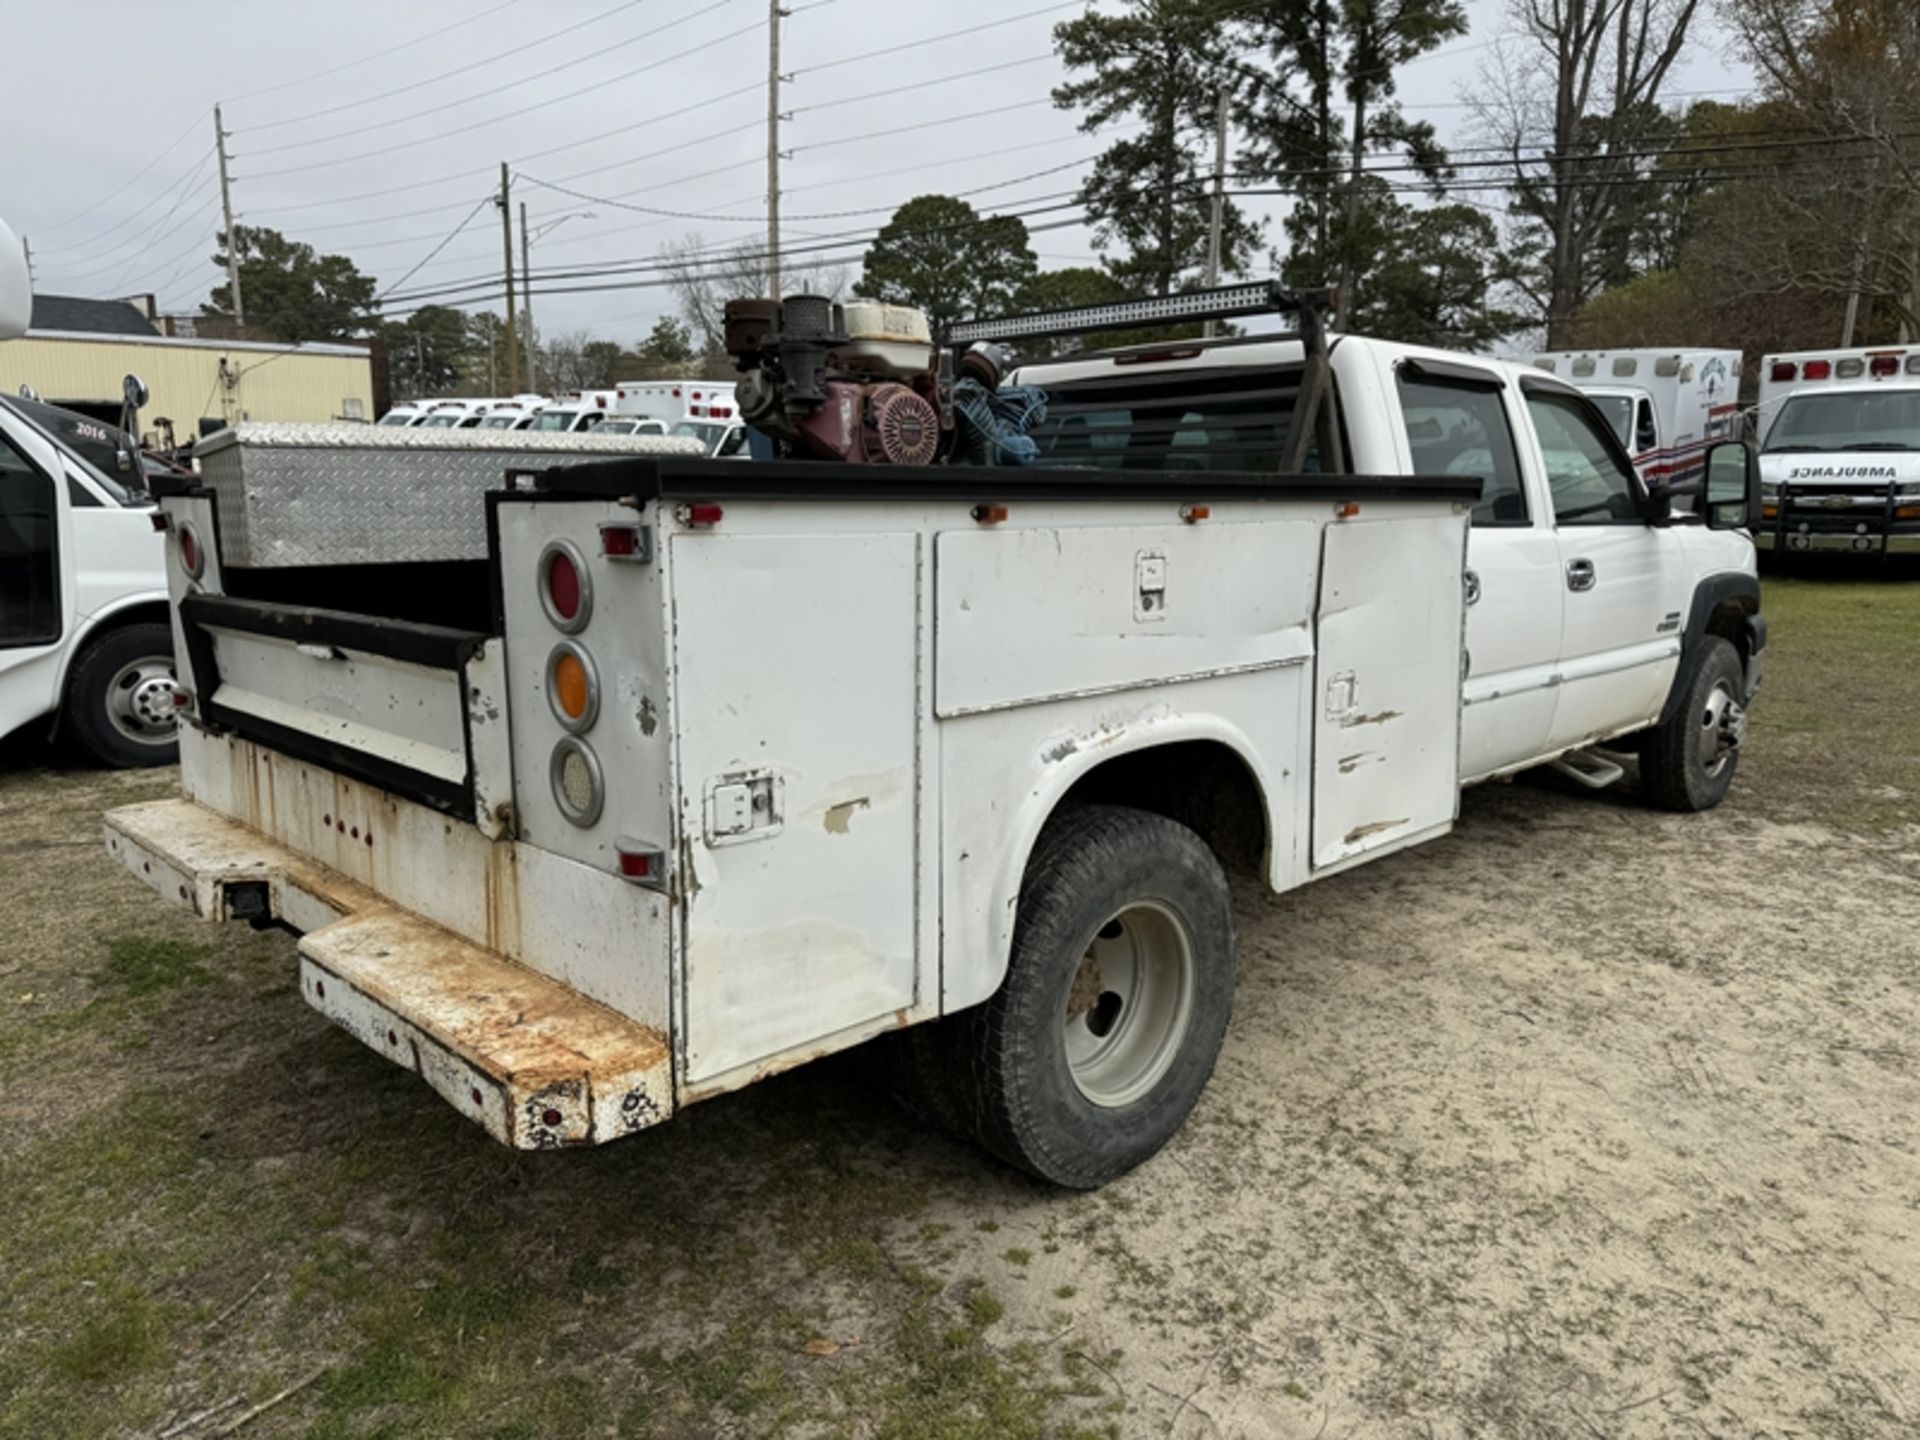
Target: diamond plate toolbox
(291, 495)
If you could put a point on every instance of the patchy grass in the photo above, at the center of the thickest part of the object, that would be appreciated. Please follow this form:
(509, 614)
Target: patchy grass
(1833, 727)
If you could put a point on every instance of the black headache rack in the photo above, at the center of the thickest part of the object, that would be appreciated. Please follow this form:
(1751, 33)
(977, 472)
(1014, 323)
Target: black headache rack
(1313, 423)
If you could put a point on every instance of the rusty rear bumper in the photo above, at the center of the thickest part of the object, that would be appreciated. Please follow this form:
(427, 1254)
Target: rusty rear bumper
(536, 1063)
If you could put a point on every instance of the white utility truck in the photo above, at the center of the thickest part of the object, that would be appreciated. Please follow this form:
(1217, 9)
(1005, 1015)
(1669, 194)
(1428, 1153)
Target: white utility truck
(683, 772)
(1840, 451)
(1667, 406)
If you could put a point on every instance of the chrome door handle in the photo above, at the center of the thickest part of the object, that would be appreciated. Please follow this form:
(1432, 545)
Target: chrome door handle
(1580, 575)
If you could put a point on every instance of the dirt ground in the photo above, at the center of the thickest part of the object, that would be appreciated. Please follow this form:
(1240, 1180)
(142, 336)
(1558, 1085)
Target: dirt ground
(1585, 1121)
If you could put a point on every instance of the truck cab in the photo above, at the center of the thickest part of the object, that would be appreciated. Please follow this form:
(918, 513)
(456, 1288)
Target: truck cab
(1840, 451)
(1591, 599)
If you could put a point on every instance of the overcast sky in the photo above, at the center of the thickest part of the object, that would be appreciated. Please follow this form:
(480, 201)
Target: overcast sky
(374, 129)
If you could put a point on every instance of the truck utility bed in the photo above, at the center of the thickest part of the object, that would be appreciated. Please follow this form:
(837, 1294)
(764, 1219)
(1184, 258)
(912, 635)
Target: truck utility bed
(826, 712)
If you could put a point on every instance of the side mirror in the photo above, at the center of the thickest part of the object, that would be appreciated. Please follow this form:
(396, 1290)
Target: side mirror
(16, 286)
(1732, 485)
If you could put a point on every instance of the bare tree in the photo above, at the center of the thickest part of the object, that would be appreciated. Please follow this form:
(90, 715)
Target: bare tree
(1590, 74)
(703, 279)
(1839, 212)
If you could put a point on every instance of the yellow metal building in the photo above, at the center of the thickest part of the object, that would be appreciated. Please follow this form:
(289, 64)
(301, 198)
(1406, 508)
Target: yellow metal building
(191, 380)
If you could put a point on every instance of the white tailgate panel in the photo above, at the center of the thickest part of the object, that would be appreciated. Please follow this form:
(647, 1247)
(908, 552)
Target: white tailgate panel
(403, 713)
(1031, 615)
(796, 675)
(1387, 718)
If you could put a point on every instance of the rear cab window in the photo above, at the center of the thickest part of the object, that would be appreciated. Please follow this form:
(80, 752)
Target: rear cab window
(1215, 419)
(1460, 427)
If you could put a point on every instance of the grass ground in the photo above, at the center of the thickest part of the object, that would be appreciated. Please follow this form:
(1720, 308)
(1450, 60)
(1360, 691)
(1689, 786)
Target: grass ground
(1583, 1121)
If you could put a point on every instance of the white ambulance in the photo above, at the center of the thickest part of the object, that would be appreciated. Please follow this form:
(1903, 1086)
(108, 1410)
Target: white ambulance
(1667, 406)
(1840, 450)
(673, 401)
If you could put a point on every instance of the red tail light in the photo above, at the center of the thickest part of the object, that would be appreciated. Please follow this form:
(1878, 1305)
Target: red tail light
(563, 587)
(191, 560)
(1783, 370)
(701, 516)
(565, 592)
(1886, 365)
(641, 863)
(1818, 369)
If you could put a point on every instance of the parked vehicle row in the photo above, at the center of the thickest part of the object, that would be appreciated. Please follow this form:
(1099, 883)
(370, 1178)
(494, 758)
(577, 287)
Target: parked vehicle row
(1838, 430)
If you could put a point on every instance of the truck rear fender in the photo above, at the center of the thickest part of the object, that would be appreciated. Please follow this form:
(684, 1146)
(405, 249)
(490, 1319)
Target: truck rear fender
(1199, 770)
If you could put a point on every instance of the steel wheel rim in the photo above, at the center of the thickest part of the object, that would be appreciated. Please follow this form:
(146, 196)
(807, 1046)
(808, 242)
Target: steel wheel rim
(1723, 725)
(140, 700)
(1130, 1004)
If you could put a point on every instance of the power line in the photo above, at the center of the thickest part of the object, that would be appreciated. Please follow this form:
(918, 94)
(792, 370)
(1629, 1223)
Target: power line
(179, 182)
(124, 185)
(485, 201)
(511, 84)
(933, 39)
(425, 140)
(461, 24)
(411, 86)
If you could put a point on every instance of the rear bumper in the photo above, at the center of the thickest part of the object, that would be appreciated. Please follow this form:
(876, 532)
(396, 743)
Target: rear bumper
(534, 1062)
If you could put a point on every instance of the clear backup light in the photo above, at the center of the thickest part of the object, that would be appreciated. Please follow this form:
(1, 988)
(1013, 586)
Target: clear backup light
(1913, 363)
(1851, 369)
(578, 786)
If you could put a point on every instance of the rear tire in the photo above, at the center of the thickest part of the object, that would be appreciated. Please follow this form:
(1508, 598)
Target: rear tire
(119, 702)
(1105, 1031)
(1687, 762)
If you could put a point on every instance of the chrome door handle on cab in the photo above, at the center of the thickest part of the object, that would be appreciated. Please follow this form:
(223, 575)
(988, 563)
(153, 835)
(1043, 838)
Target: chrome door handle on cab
(1580, 575)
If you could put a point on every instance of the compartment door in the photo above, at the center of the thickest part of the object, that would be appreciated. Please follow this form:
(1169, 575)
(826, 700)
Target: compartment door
(1387, 717)
(795, 710)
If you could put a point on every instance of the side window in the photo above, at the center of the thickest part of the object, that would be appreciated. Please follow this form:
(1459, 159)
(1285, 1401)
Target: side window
(1646, 436)
(29, 577)
(1462, 430)
(1589, 483)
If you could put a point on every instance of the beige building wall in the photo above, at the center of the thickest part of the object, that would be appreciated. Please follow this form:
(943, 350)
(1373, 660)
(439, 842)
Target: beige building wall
(188, 379)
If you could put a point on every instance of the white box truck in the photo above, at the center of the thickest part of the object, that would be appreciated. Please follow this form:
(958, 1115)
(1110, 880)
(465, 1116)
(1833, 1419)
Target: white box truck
(682, 773)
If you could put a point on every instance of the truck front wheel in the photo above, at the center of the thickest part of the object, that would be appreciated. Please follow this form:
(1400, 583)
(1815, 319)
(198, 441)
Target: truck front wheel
(1097, 1045)
(1687, 760)
(119, 702)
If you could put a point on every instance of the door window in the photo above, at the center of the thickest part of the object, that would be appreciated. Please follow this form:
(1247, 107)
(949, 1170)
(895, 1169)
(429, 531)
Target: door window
(1458, 429)
(1645, 435)
(29, 577)
(1591, 484)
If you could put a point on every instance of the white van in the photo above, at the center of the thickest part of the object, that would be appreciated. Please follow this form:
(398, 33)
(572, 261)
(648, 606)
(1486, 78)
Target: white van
(1667, 406)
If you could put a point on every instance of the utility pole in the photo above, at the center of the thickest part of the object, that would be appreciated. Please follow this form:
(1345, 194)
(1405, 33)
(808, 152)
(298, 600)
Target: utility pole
(1219, 199)
(774, 14)
(526, 295)
(226, 215)
(505, 202)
